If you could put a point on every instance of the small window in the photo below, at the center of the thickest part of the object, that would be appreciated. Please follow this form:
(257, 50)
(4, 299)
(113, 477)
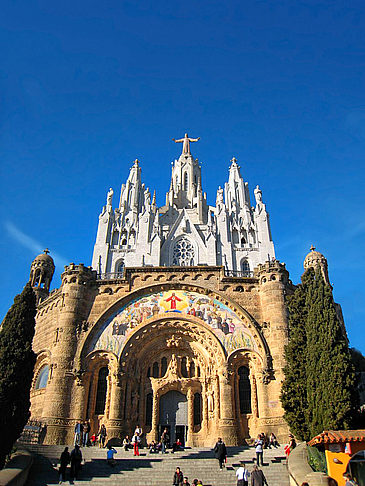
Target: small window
(42, 378)
(197, 409)
(155, 370)
(101, 391)
(244, 389)
(245, 267)
(184, 370)
(192, 369)
(163, 366)
(120, 267)
(185, 181)
(149, 403)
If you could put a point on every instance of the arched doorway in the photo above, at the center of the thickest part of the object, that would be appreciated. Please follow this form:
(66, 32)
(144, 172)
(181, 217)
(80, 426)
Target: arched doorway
(174, 415)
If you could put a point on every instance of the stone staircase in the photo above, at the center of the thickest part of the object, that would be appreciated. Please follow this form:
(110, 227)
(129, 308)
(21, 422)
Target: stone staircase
(155, 469)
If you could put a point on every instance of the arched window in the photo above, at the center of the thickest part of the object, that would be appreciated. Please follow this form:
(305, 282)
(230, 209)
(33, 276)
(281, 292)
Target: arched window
(184, 371)
(149, 402)
(101, 391)
(185, 181)
(42, 378)
(155, 370)
(149, 372)
(243, 240)
(163, 366)
(197, 409)
(245, 267)
(120, 267)
(183, 253)
(244, 389)
(192, 369)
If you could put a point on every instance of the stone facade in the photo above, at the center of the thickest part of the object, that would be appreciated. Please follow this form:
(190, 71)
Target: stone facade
(180, 322)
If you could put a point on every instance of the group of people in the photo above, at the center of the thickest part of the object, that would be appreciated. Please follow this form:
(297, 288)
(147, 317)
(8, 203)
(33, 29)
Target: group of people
(153, 447)
(82, 432)
(83, 438)
(75, 459)
(180, 480)
(135, 442)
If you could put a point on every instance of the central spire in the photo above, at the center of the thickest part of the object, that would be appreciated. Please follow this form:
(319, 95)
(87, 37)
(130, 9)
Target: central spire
(186, 143)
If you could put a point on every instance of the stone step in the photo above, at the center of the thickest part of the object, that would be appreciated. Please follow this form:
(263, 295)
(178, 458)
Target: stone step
(155, 469)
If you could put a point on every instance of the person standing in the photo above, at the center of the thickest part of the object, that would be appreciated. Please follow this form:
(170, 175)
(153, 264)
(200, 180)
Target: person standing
(135, 441)
(257, 477)
(242, 475)
(102, 436)
(64, 462)
(86, 432)
(178, 477)
(76, 458)
(220, 452)
(165, 440)
(259, 448)
(78, 432)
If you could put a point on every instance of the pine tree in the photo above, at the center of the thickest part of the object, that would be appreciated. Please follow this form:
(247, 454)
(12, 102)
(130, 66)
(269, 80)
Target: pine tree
(17, 361)
(293, 392)
(319, 389)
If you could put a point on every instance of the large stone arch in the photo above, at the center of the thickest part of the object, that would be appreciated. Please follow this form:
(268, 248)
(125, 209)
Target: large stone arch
(248, 319)
(183, 328)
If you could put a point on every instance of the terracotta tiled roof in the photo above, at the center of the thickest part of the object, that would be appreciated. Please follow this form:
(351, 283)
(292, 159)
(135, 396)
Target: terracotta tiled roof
(338, 436)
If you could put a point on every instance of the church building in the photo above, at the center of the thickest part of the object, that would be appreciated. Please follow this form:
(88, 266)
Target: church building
(180, 322)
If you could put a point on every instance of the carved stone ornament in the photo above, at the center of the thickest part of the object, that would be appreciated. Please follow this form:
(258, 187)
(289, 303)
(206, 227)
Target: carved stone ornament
(174, 341)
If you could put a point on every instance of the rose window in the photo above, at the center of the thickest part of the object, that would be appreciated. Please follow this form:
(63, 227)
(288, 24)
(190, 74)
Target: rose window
(183, 254)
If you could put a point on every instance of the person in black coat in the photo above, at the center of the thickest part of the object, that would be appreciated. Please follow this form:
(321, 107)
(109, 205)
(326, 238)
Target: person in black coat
(178, 477)
(64, 462)
(76, 458)
(220, 452)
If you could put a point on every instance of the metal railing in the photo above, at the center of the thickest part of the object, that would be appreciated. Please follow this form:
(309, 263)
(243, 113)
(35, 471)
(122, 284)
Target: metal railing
(237, 273)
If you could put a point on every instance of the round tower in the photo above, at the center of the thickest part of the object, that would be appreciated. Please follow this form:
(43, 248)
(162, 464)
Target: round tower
(274, 284)
(315, 259)
(65, 393)
(41, 273)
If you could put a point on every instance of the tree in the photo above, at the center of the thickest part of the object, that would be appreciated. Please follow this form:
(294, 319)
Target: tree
(293, 391)
(318, 357)
(17, 361)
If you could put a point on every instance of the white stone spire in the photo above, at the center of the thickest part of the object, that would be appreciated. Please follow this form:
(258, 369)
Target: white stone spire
(137, 232)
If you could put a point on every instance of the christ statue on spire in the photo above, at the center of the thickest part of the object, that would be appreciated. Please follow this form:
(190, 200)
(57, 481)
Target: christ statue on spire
(186, 143)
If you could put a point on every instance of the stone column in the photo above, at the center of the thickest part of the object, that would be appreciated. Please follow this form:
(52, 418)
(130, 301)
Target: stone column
(79, 397)
(155, 416)
(216, 399)
(254, 401)
(190, 397)
(115, 422)
(227, 422)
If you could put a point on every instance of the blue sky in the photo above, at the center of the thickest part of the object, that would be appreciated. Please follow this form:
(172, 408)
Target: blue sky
(86, 87)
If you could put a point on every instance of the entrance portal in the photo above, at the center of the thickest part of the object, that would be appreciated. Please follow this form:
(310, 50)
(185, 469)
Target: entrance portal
(174, 415)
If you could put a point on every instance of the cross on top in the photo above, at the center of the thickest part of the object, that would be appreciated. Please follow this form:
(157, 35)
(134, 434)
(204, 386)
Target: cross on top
(46, 251)
(312, 248)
